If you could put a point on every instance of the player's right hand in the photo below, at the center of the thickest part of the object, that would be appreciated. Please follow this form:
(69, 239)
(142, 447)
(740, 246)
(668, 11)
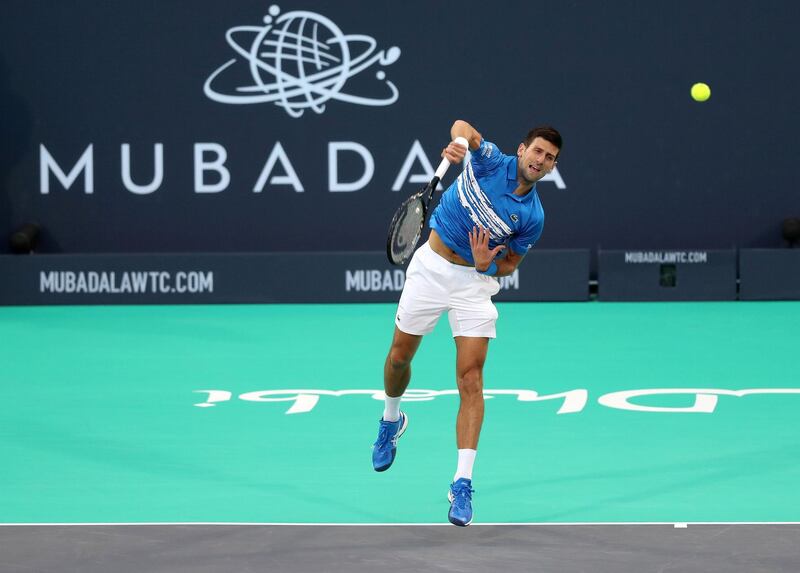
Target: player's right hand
(454, 153)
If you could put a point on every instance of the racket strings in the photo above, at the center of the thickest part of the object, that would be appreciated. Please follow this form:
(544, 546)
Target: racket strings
(406, 230)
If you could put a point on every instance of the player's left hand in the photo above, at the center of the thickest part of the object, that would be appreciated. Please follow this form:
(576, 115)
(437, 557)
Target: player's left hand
(481, 253)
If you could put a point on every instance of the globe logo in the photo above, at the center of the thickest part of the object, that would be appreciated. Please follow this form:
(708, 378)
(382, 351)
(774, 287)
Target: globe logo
(301, 60)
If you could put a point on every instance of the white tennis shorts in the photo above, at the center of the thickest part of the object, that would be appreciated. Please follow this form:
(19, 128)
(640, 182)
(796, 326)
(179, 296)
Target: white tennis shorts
(434, 285)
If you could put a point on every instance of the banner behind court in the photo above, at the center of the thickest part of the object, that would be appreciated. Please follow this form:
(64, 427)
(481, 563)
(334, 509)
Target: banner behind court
(243, 126)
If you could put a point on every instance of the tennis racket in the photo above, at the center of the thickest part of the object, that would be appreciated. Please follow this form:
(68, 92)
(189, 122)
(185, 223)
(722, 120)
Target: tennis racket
(409, 218)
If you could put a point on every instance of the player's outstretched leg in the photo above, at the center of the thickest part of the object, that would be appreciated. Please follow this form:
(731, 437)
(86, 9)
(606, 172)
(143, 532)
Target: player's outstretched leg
(384, 449)
(396, 376)
(470, 358)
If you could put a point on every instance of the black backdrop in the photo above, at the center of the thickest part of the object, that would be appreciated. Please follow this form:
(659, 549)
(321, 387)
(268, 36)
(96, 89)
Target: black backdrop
(644, 166)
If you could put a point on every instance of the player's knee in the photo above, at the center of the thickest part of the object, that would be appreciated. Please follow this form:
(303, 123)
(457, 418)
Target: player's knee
(470, 383)
(399, 359)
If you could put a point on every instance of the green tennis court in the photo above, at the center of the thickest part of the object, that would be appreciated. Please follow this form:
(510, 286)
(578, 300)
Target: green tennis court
(109, 415)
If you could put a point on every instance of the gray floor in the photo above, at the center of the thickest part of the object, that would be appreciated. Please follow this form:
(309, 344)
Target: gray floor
(354, 549)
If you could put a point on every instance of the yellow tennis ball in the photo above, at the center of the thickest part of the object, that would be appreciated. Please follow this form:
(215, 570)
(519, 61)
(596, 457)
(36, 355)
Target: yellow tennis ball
(701, 92)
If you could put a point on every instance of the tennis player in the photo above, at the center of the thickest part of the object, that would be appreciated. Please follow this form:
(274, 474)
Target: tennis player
(482, 228)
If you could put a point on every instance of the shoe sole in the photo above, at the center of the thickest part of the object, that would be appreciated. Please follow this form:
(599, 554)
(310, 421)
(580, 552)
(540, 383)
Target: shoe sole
(459, 524)
(400, 432)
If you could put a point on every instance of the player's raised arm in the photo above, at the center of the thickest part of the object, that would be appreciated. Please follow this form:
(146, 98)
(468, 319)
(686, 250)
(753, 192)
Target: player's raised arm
(462, 129)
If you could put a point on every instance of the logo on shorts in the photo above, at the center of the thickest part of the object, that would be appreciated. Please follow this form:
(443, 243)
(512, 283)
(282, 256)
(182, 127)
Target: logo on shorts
(514, 217)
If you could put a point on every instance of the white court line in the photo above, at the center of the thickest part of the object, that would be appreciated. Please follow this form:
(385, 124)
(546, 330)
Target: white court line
(680, 524)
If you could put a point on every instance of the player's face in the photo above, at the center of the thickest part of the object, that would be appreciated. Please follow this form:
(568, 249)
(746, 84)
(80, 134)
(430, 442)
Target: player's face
(536, 160)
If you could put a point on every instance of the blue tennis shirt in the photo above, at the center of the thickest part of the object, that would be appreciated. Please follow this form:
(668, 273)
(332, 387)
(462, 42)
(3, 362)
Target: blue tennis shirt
(483, 195)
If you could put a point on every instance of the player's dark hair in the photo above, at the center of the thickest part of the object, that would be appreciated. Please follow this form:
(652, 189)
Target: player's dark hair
(547, 133)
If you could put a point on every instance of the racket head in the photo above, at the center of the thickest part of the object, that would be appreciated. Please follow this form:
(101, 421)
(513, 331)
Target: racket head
(406, 228)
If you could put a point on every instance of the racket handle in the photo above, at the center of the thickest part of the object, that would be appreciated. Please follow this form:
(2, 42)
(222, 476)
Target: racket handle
(445, 164)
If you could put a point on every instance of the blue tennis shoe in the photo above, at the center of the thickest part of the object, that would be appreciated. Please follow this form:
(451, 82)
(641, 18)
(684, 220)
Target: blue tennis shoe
(460, 496)
(385, 447)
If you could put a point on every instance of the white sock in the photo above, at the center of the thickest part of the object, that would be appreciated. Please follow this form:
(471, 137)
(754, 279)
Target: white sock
(466, 459)
(391, 409)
